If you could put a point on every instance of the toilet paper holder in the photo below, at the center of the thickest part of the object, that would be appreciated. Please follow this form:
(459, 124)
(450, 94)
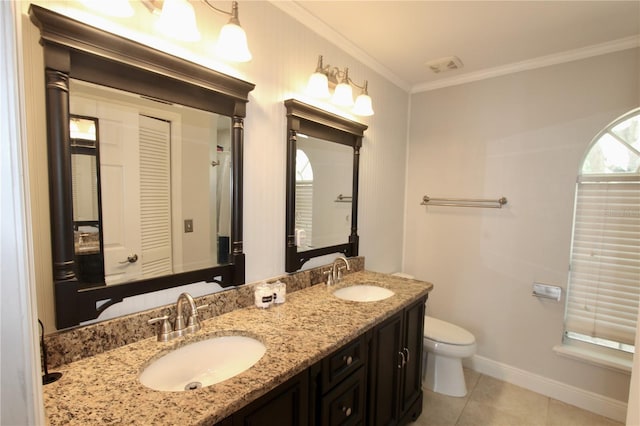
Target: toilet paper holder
(547, 291)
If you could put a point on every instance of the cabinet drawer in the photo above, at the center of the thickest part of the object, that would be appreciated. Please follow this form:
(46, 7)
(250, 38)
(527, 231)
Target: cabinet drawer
(345, 404)
(343, 362)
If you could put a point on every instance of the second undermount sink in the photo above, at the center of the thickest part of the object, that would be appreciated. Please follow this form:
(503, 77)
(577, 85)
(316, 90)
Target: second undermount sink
(202, 363)
(363, 293)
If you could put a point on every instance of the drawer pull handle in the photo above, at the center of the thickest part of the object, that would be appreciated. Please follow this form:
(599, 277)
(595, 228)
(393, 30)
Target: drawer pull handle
(346, 411)
(347, 359)
(406, 351)
(402, 362)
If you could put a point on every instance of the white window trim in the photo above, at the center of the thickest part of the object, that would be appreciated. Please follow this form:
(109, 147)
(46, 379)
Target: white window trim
(596, 355)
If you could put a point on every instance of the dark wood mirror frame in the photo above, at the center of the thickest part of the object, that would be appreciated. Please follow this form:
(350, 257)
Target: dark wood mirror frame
(312, 121)
(75, 50)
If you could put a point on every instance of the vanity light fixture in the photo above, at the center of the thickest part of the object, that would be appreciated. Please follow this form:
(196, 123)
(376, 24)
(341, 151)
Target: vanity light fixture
(324, 76)
(178, 20)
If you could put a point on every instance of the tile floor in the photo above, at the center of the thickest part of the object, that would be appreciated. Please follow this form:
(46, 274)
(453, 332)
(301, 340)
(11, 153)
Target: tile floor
(491, 402)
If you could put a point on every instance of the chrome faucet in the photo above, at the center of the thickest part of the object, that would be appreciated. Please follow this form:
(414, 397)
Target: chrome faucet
(193, 322)
(166, 332)
(334, 275)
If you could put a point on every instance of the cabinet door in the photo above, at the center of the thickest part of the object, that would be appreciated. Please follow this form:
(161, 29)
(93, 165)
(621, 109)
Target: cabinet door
(412, 351)
(385, 372)
(287, 405)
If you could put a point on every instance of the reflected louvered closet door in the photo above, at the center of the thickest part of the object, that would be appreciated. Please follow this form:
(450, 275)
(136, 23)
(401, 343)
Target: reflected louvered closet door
(155, 196)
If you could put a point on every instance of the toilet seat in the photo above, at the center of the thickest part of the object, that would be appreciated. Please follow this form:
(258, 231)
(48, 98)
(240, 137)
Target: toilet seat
(444, 332)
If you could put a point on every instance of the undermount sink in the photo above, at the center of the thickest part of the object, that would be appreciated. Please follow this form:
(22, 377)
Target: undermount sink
(363, 293)
(202, 363)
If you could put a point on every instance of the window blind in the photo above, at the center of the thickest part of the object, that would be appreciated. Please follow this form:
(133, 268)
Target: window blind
(604, 283)
(304, 209)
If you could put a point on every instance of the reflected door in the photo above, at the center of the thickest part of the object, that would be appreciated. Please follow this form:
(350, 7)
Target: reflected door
(119, 171)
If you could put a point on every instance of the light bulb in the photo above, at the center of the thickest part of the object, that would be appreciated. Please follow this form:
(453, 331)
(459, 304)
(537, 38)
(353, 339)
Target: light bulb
(232, 44)
(178, 20)
(343, 95)
(363, 105)
(318, 86)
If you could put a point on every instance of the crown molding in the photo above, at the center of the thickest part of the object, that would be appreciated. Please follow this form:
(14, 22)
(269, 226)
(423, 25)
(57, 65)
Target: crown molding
(300, 14)
(530, 64)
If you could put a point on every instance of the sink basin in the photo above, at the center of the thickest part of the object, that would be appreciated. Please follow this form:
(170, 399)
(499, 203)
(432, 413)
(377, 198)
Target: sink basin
(202, 363)
(363, 293)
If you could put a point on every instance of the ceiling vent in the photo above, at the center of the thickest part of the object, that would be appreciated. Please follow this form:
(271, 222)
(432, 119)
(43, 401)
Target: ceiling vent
(448, 63)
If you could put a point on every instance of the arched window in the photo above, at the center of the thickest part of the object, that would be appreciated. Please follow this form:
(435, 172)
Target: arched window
(604, 279)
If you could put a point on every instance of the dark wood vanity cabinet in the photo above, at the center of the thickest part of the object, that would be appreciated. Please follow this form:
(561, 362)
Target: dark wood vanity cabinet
(374, 380)
(286, 405)
(395, 368)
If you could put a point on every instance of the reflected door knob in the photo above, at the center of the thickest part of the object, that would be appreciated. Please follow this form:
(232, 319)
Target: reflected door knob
(132, 258)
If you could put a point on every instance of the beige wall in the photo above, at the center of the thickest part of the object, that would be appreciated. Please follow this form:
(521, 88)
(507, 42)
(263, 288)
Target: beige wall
(521, 136)
(284, 55)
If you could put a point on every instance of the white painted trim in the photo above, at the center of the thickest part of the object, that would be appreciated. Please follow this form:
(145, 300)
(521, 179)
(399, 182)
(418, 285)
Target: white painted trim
(20, 353)
(601, 358)
(586, 400)
(530, 64)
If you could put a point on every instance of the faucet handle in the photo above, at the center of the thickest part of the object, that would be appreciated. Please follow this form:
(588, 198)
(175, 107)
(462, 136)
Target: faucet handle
(164, 331)
(194, 322)
(329, 275)
(341, 270)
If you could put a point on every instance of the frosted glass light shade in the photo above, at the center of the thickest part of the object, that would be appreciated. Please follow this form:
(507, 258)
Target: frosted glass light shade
(318, 86)
(363, 105)
(232, 44)
(178, 20)
(343, 95)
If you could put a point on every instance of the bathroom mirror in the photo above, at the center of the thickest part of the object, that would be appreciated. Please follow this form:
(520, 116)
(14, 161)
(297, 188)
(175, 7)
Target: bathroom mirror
(323, 152)
(77, 55)
(165, 170)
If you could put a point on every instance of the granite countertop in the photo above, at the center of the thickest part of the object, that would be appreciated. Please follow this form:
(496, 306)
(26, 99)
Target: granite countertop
(104, 389)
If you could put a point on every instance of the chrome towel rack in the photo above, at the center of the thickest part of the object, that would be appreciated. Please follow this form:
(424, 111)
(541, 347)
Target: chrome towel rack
(464, 202)
(343, 198)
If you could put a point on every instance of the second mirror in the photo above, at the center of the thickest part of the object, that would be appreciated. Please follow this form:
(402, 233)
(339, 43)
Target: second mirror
(323, 152)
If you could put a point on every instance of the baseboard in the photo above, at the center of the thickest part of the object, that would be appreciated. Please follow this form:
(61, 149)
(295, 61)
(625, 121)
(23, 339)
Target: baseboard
(572, 395)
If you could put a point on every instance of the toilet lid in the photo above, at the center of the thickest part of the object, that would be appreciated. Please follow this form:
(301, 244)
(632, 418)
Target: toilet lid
(444, 332)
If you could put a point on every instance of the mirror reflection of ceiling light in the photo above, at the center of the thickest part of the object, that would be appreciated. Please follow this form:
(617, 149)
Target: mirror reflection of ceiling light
(80, 128)
(178, 20)
(324, 76)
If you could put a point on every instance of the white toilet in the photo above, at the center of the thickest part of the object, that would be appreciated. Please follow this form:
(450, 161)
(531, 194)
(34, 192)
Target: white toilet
(445, 345)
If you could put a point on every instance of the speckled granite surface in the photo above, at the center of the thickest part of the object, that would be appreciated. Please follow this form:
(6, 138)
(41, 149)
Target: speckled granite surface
(104, 389)
(75, 344)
